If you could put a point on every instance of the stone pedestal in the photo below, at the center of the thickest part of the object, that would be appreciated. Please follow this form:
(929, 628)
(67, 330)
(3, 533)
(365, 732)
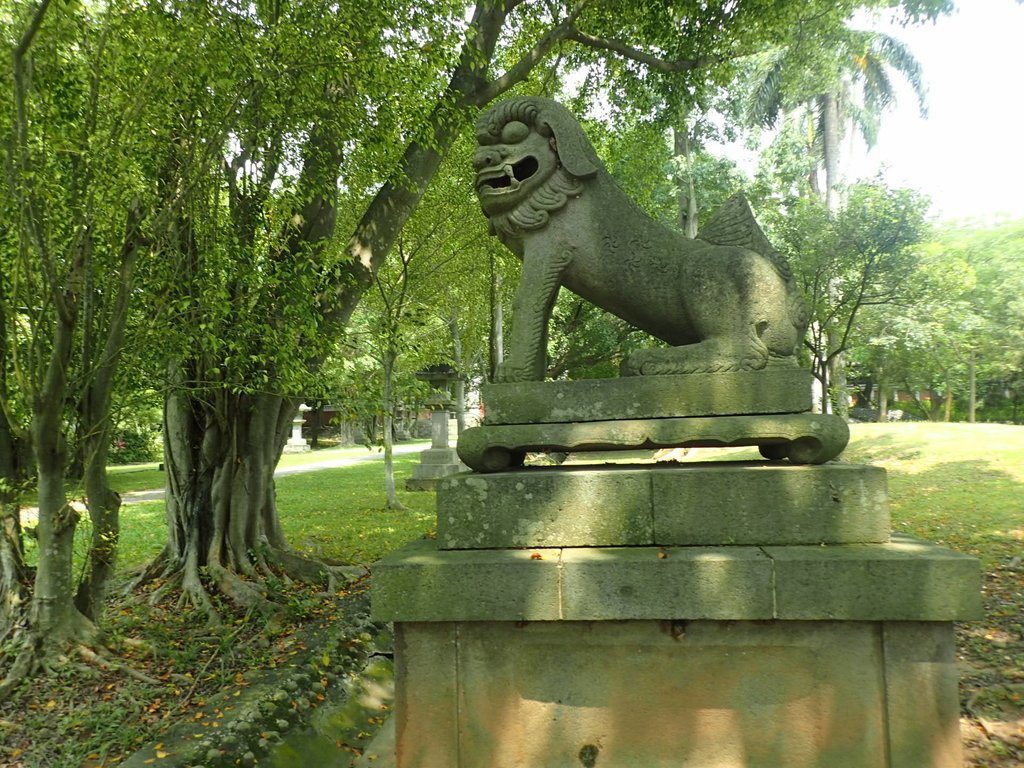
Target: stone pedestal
(662, 694)
(736, 615)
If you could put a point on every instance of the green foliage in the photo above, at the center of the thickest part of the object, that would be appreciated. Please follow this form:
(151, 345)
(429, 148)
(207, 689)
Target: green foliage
(135, 446)
(966, 317)
(588, 343)
(853, 263)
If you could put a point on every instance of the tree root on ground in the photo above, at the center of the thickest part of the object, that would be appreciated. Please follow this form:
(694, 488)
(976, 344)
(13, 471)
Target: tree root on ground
(37, 649)
(104, 661)
(971, 706)
(26, 663)
(245, 588)
(312, 571)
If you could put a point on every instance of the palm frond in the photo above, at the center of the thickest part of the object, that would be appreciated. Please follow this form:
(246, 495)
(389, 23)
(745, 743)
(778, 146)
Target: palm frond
(867, 122)
(764, 101)
(894, 53)
(878, 88)
(816, 128)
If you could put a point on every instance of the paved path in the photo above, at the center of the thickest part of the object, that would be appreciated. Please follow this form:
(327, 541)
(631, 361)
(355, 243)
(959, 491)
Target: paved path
(30, 515)
(134, 497)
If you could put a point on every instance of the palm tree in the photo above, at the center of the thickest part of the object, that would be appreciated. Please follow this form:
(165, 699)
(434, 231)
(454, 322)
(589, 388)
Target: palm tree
(850, 88)
(833, 92)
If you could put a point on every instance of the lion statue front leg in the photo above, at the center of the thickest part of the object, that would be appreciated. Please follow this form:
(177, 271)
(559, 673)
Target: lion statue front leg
(534, 301)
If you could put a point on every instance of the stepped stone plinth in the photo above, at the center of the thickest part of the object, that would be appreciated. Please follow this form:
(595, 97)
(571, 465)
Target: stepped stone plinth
(738, 615)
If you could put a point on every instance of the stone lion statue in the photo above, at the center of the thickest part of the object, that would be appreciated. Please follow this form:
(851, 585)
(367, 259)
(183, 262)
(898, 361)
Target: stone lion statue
(726, 301)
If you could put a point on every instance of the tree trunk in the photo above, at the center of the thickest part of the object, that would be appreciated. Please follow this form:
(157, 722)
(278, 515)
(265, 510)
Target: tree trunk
(819, 366)
(831, 141)
(13, 472)
(460, 383)
(53, 618)
(972, 390)
(316, 418)
(390, 356)
(837, 374)
(686, 196)
(94, 417)
(13, 570)
(883, 396)
(497, 329)
(221, 450)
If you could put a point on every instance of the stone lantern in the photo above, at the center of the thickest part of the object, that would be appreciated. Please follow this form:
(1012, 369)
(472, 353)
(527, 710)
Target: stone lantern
(296, 443)
(439, 460)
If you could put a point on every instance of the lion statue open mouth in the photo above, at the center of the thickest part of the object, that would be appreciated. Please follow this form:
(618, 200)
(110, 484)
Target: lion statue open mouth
(726, 301)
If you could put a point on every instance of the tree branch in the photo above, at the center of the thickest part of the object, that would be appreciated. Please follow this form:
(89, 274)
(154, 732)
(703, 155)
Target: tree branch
(522, 68)
(30, 31)
(648, 59)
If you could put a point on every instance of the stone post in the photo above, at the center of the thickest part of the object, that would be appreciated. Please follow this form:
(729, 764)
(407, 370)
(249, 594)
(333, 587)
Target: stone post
(439, 405)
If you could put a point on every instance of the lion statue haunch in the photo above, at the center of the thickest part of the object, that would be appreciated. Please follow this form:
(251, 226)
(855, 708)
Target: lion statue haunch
(725, 301)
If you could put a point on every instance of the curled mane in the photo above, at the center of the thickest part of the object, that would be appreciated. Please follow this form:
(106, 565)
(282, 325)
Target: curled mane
(534, 212)
(524, 109)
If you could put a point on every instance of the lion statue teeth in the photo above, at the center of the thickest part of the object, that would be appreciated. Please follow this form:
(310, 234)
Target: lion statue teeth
(726, 301)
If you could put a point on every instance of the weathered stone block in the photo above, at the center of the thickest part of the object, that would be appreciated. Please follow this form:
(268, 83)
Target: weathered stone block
(756, 503)
(649, 694)
(907, 579)
(922, 705)
(439, 456)
(782, 390)
(666, 583)
(711, 504)
(561, 507)
(803, 438)
(418, 583)
(426, 694)
(436, 471)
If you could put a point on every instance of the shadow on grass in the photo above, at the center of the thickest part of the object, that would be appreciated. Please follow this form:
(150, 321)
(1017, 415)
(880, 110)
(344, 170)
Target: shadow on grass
(886, 446)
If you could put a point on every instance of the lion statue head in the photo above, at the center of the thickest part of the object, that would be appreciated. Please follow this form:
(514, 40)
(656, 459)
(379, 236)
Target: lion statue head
(532, 158)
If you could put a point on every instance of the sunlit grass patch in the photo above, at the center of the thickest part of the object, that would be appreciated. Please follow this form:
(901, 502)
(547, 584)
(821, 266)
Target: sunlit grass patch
(340, 513)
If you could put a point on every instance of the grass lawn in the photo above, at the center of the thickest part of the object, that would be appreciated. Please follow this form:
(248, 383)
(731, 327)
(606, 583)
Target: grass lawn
(337, 514)
(960, 485)
(145, 477)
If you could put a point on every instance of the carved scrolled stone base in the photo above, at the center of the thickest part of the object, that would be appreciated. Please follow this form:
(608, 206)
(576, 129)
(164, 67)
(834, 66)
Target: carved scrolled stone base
(803, 438)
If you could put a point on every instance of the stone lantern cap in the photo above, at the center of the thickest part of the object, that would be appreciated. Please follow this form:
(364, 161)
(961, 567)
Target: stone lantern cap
(439, 376)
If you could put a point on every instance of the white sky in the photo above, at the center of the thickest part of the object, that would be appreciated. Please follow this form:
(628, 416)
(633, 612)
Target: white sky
(968, 154)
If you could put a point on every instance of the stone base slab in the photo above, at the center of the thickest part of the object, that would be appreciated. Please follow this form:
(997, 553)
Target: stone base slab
(771, 390)
(709, 504)
(435, 464)
(650, 694)
(803, 438)
(440, 456)
(904, 580)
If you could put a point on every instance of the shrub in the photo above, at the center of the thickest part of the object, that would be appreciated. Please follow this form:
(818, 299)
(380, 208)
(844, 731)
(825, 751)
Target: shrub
(135, 445)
